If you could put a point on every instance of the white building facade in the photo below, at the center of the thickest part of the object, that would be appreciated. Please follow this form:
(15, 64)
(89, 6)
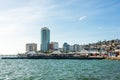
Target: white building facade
(31, 47)
(54, 45)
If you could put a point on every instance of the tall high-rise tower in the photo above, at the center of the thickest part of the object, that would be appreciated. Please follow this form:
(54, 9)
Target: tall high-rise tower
(45, 39)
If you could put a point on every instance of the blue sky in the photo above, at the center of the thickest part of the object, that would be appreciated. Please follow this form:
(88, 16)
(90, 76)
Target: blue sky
(72, 21)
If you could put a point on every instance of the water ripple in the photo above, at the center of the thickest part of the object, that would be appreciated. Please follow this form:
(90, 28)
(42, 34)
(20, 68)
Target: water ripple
(59, 70)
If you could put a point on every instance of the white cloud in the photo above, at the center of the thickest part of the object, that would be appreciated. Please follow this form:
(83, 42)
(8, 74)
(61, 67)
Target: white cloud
(82, 18)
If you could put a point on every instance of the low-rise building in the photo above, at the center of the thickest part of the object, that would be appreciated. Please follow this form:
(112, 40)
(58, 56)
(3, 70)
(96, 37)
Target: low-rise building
(66, 47)
(76, 47)
(31, 47)
(71, 48)
(54, 46)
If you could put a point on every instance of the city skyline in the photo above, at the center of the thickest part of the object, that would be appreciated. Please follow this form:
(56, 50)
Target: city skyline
(71, 21)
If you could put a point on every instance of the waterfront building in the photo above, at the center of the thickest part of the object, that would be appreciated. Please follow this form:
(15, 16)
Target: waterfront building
(31, 47)
(81, 47)
(45, 39)
(71, 48)
(76, 47)
(66, 47)
(54, 45)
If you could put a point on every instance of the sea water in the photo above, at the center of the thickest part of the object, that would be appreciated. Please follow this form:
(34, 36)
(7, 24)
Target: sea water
(64, 69)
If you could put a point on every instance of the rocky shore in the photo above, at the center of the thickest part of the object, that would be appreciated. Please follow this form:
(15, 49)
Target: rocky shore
(113, 58)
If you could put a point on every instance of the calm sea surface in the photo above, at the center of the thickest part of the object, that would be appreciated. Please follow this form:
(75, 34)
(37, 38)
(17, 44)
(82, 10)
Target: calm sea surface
(41, 69)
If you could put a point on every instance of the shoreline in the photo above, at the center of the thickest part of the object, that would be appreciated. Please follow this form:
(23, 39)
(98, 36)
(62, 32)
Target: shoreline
(61, 56)
(113, 58)
(57, 57)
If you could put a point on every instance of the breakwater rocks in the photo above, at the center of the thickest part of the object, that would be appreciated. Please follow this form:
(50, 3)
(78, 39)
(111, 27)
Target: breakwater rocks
(113, 58)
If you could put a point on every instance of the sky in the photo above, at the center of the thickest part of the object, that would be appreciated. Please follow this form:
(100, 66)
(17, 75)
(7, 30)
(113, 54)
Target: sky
(72, 21)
